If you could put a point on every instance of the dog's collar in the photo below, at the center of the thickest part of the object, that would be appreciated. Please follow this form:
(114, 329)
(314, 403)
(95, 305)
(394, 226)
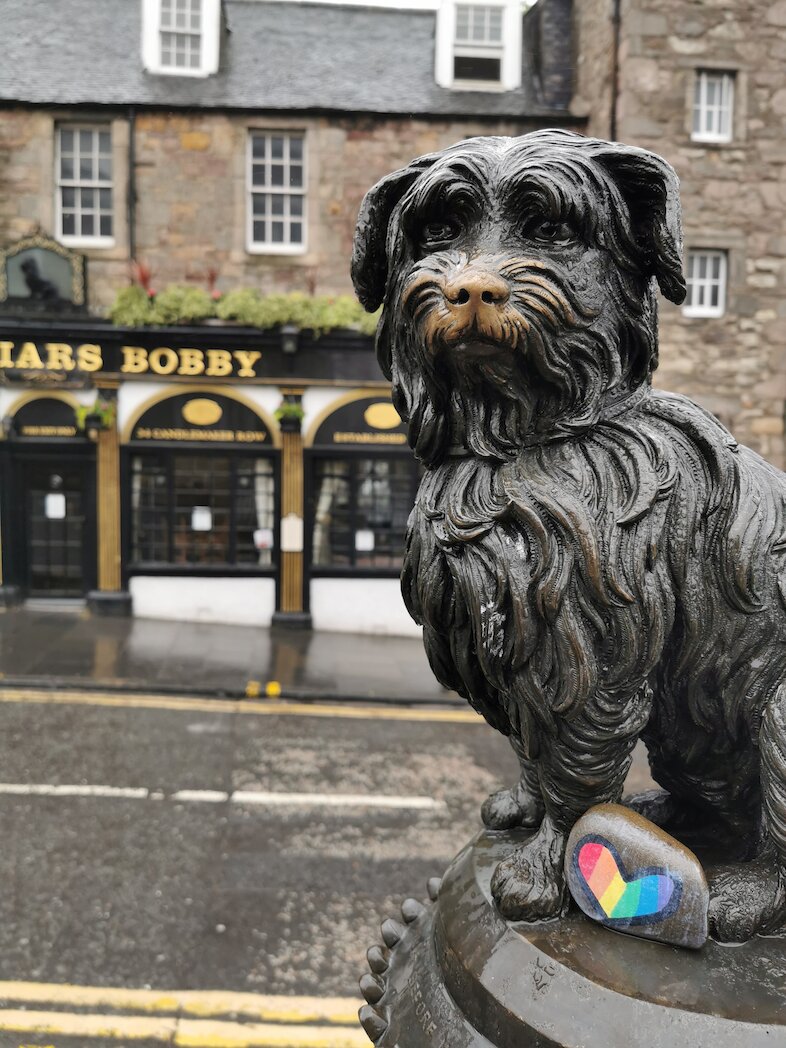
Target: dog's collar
(614, 405)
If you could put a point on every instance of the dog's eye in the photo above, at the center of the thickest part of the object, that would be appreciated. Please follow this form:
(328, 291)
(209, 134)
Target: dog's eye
(440, 232)
(552, 232)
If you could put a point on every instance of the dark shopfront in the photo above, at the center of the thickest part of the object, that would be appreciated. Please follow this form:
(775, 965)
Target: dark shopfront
(168, 465)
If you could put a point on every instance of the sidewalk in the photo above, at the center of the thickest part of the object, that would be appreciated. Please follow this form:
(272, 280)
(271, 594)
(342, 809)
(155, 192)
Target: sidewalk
(73, 649)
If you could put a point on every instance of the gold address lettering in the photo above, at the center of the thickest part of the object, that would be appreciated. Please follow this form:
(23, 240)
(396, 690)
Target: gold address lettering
(369, 438)
(163, 361)
(6, 360)
(134, 360)
(246, 359)
(59, 356)
(192, 362)
(219, 362)
(88, 357)
(29, 357)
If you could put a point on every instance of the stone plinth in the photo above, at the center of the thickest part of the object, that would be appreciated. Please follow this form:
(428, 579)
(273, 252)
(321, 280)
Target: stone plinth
(460, 976)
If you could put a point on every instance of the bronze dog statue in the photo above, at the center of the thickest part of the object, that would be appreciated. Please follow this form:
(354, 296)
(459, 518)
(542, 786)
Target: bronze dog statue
(593, 561)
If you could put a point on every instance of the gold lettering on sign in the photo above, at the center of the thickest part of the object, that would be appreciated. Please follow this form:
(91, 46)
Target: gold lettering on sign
(192, 362)
(88, 357)
(134, 360)
(48, 431)
(29, 357)
(246, 359)
(369, 438)
(219, 362)
(163, 361)
(59, 356)
(6, 360)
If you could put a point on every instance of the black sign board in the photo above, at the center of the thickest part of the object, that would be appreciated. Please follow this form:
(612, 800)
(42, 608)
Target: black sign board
(202, 418)
(47, 418)
(368, 422)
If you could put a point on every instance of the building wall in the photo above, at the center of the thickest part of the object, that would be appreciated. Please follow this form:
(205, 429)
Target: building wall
(192, 194)
(733, 195)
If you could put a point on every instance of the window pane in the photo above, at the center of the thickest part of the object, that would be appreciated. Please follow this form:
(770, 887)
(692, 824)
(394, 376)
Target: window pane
(88, 225)
(69, 224)
(278, 232)
(258, 143)
(86, 168)
(296, 206)
(66, 141)
(296, 233)
(106, 225)
(66, 167)
(278, 204)
(68, 197)
(470, 67)
(85, 142)
(277, 175)
(295, 148)
(360, 509)
(296, 176)
(259, 232)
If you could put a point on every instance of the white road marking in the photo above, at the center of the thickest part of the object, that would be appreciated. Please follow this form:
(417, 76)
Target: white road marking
(247, 797)
(336, 800)
(44, 789)
(201, 796)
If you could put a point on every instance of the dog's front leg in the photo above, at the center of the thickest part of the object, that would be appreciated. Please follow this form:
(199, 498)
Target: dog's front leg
(583, 765)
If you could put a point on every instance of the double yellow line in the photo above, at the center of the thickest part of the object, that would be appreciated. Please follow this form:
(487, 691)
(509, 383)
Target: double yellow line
(182, 1018)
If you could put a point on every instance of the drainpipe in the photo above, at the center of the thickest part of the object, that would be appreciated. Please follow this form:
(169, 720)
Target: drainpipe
(131, 194)
(616, 22)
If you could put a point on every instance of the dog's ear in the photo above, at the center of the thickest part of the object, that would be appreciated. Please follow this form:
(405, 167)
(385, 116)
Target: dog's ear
(651, 189)
(369, 253)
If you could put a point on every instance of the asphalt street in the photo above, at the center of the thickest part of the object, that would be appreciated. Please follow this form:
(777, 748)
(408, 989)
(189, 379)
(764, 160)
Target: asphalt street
(158, 846)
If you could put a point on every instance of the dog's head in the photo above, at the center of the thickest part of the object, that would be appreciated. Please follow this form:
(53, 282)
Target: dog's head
(518, 280)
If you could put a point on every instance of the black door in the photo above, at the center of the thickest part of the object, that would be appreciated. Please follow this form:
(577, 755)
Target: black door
(55, 493)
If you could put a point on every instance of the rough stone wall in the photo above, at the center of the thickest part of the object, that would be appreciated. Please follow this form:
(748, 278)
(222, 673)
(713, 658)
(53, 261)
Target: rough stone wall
(734, 197)
(192, 193)
(593, 43)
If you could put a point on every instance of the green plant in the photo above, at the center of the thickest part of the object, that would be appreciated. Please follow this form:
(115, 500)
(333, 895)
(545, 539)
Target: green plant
(287, 409)
(131, 308)
(181, 305)
(102, 411)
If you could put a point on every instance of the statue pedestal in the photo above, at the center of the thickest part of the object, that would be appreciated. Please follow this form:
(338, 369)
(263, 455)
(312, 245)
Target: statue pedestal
(461, 976)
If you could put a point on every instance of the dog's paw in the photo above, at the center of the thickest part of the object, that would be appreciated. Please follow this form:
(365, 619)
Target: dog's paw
(746, 898)
(506, 809)
(530, 884)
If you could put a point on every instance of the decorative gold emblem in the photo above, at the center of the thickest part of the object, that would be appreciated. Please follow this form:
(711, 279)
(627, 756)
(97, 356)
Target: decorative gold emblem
(382, 416)
(202, 412)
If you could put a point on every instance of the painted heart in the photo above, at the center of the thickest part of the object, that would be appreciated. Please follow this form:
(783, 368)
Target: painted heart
(648, 896)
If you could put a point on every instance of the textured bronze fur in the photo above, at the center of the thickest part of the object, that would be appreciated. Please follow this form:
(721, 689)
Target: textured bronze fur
(592, 561)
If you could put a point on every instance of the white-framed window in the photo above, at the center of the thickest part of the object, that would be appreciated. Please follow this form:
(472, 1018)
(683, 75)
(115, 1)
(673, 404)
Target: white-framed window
(180, 33)
(713, 106)
(83, 180)
(707, 277)
(477, 42)
(181, 37)
(276, 179)
(478, 45)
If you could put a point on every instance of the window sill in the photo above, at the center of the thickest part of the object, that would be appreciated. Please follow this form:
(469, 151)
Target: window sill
(99, 242)
(710, 140)
(203, 570)
(276, 249)
(490, 86)
(703, 314)
(177, 71)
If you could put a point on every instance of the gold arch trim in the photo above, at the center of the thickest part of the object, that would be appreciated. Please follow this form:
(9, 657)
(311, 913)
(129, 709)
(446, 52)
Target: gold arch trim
(48, 394)
(215, 391)
(340, 402)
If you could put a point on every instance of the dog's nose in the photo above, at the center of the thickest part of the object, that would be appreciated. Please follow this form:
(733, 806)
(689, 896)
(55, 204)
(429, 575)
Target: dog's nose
(474, 290)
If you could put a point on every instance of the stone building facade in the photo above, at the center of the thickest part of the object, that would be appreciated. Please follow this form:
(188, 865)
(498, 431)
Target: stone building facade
(231, 147)
(733, 190)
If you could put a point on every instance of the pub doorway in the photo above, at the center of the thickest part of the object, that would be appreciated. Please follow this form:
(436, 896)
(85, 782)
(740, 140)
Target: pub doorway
(48, 501)
(57, 553)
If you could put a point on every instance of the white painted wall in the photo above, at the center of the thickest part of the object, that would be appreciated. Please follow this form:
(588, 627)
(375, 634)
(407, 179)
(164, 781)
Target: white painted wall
(361, 606)
(237, 602)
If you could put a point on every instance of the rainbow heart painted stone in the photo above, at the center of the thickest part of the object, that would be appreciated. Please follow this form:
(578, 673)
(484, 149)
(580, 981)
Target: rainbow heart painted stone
(627, 874)
(650, 895)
